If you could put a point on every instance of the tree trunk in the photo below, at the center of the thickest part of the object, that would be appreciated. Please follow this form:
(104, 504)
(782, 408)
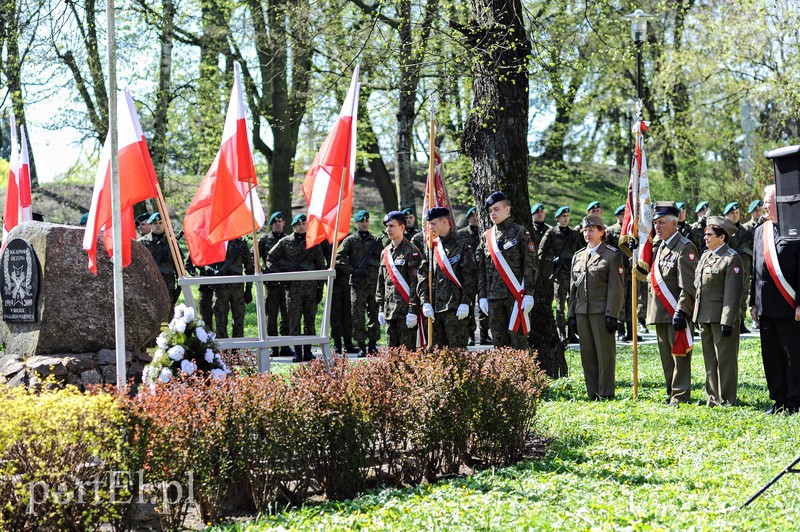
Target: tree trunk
(495, 138)
(213, 44)
(163, 92)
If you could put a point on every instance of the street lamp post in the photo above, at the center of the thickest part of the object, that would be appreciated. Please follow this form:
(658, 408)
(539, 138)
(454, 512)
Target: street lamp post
(639, 32)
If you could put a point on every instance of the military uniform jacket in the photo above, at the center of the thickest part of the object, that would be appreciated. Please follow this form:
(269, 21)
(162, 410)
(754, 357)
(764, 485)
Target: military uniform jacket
(698, 228)
(518, 249)
(752, 224)
(677, 261)
(238, 260)
(718, 284)
(596, 285)
(265, 243)
(351, 253)
(612, 234)
(539, 229)
(472, 235)
(686, 230)
(158, 246)
(764, 293)
(742, 242)
(446, 294)
(406, 258)
(289, 255)
(554, 242)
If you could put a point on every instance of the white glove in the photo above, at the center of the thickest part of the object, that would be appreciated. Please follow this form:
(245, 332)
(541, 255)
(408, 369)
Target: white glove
(483, 303)
(411, 320)
(527, 303)
(462, 311)
(427, 310)
(382, 318)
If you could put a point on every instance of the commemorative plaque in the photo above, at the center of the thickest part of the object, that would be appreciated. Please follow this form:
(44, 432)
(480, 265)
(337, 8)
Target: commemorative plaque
(19, 282)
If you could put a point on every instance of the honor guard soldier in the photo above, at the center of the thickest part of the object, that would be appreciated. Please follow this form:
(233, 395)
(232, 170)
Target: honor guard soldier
(670, 303)
(506, 271)
(231, 297)
(341, 327)
(276, 291)
(473, 236)
(398, 303)
(411, 228)
(756, 211)
(452, 263)
(701, 211)
(613, 233)
(359, 256)
(539, 227)
(684, 228)
(291, 255)
(558, 246)
(741, 242)
(142, 226)
(156, 243)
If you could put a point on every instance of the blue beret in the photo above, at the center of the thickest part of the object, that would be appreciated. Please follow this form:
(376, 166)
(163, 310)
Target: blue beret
(141, 218)
(156, 216)
(700, 206)
(593, 205)
(299, 218)
(536, 208)
(437, 212)
(493, 198)
(395, 215)
(561, 210)
(619, 210)
(361, 216)
(755, 204)
(470, 211)
(409, 210)
(277, 215)
(680, 205)
(732, 206)
(84, 218)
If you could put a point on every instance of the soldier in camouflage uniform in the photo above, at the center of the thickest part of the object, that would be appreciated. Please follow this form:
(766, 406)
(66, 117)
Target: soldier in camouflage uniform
(755, 210)
(341, 315)
(453, 286)
(231, 297)
(684, 228)
(205, 303)
(291, 255)
(472, 234)
(515, 246)
(558, 246)
(742, 243)
(142, 225)
(156, 243)
(702, 211)
(359, 257)
(400, 316)
(539, 226)
(276, 292)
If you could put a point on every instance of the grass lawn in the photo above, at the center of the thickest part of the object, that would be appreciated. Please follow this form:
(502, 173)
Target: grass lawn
(611, 465)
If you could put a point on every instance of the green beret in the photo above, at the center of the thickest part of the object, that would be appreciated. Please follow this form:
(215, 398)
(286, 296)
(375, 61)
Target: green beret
(471, 210)
(680, 205)
(408, 210)
(277, 215)
(299, 218)
(619, 210)
(732, 206)
(84, 218)
(700, 206)
(755, 204)
(561, 210)
(536, 208)
(593, 205)
(361, 216)
(156, 216)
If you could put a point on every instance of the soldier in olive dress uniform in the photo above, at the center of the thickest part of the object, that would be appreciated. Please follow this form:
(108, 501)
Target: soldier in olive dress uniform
(718, 283)
(595, 301)
(453, 282)
(276, 291)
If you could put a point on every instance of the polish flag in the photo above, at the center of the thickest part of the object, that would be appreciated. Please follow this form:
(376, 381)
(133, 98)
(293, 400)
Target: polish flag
(637, 224)
(136, 183)
(12, 215)
(24, 176)
(220, 211)
(335, 161)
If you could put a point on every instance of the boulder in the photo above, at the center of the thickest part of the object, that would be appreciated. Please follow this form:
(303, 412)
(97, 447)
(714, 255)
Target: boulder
(75, 308)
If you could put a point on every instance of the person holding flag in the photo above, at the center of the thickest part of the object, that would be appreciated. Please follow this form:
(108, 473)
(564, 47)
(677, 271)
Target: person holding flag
(671, 301)
(506, 266)
(453, 281)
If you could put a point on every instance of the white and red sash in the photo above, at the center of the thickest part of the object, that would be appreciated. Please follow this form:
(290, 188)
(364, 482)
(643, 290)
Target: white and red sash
(444, 263)
(403, 289)
(684, 342)
(519, 318)
(774, 265)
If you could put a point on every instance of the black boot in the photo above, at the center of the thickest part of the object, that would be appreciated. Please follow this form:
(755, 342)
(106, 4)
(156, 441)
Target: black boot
(307, 356)
(274, 352)
(629, 335)
(348, 345)
(337, 346)
(621, 331)
(362, 351)
(643, 325)
(373, 349)
(286, 351)
(486, 339)
(571, 336)
(743, 329)
(298, 353)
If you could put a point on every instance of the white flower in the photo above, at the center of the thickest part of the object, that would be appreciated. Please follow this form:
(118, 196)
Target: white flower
(217, 374)
(188, 314)
(165, 375)
(162, 341)
(178, 325)
(201, 333)
(176, 352)
(209, 356)
(179, 311)
(188, 367)
(211, 336)
(146, 373)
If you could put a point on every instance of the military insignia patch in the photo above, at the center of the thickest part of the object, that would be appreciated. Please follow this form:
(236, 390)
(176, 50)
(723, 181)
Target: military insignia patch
(736, 269)
(620, 270)
(692, 256)
(453, 260)
(399, 262)
(531, 247)
(510, 243)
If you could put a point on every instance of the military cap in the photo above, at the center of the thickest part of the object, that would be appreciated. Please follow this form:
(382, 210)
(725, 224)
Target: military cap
(142, 218)
(732, 206)
(700, 206)
(394, 215)
(680, 205)
(299, 218)
(593, 221)
(755, 204)
(84, 218)
(561, 210)
(665, 208)
(536, 208)
(409, 210)
(593, 205)
(619, 210)
(277, 215)
(156, 216)
(471, 210)
(361, 216)
(723, 223)
(437, 212)
(494, 197)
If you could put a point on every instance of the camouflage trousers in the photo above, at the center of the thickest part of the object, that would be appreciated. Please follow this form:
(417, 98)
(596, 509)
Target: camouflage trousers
(499, 316)
(341, 316)
(301, 301)
(399, 335)
(205, 303)
(448, 331)
(172, 286)
(229, 297)
(561, 290)
(365, 311)
(276, 303)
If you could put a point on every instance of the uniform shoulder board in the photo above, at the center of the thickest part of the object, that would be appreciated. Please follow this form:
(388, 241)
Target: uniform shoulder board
(731, 252)
(612, 248)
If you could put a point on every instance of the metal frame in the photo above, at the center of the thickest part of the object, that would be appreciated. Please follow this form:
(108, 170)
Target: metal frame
(788, 469)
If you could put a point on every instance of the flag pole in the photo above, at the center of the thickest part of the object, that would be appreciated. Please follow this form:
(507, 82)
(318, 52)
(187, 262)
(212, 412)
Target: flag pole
(429, 194)
(635, 260)
(171, 238)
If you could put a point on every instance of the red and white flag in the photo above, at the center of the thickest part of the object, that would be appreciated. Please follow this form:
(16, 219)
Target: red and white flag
(13, 211)
(136, 183)
(440, 197)
(220, 211)
(638, 221)
(24, 177)
(332, 170)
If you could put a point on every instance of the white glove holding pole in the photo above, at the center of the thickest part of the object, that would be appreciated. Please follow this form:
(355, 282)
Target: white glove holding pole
(527, 303)
(382, 318)
(462, 311)
(427, 310)
(483, 303)
(411, 320)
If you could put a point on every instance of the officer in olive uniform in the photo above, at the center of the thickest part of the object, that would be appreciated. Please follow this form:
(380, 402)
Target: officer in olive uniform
(276, 292)
(756, 211)
(701, 211)
(495, 298)
(741, 242)
(596, 297)
(454, 285)
(539, 226)
(359, 257)
(557, 248)
(473, 236)
(676, 259)
(156, 243)
(291, 255)
(718, 284)
(231, 297)
(684, 228)
(400, 262)
(142, 226)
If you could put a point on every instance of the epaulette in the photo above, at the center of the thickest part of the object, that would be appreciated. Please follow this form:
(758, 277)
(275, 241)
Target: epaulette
(612, 248)
(731, 252)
